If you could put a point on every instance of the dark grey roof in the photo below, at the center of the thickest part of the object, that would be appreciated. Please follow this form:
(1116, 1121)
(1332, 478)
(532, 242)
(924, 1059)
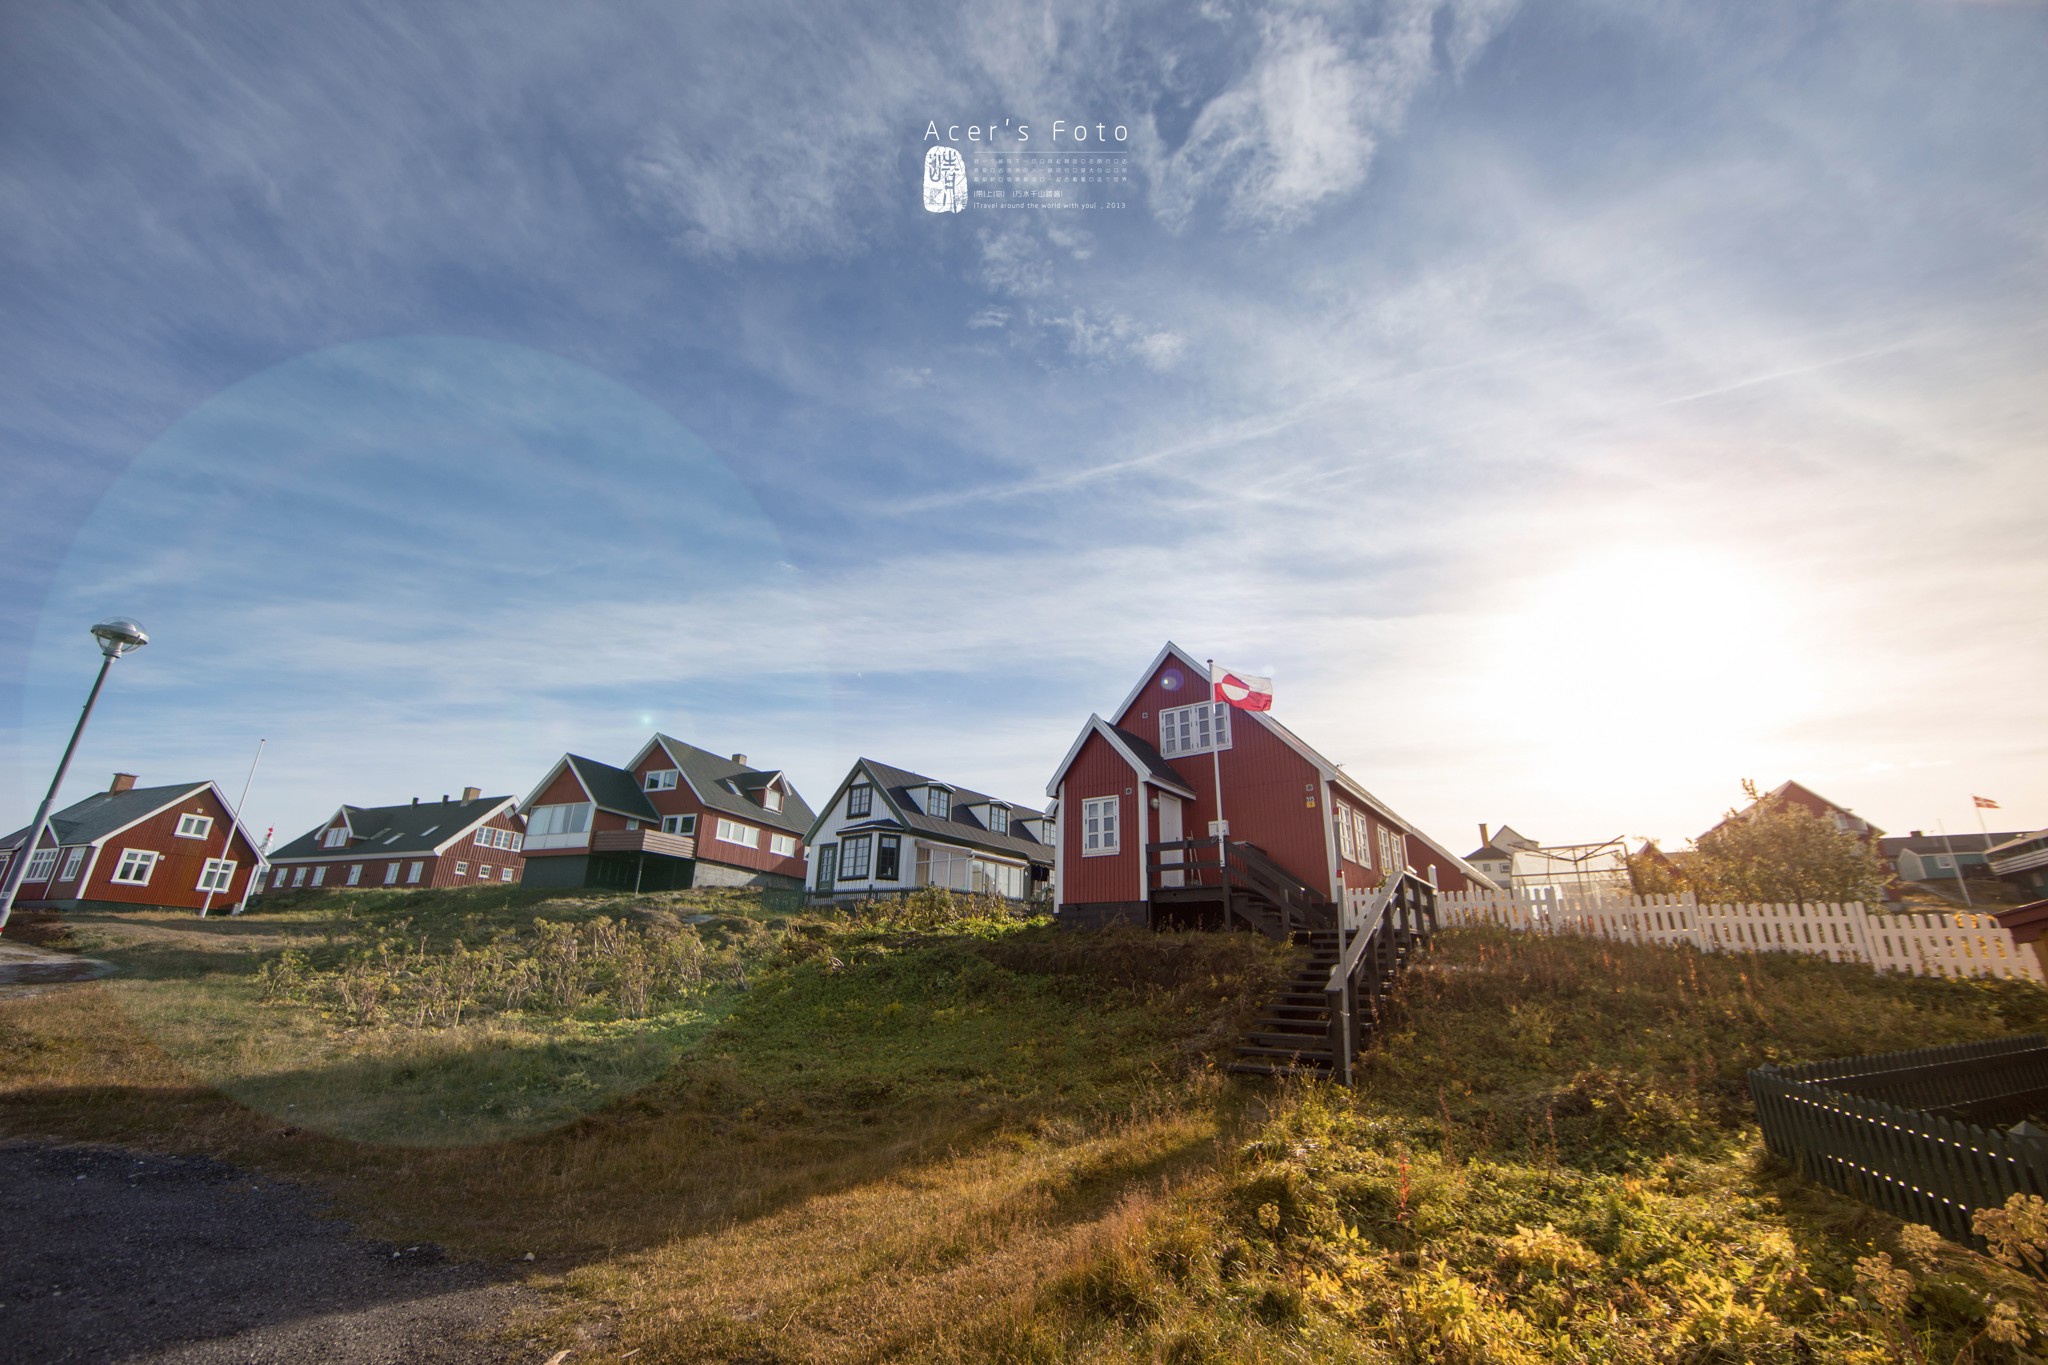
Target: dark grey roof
(104, 812)
(1152, 758)
(721, 784)
(1894, 845)
(960, 826)
(613, 789)
(1490, 852)
(418, 829)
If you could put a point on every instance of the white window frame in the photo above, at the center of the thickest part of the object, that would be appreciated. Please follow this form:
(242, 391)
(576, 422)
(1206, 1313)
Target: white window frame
(279, 879)
(1347, 838)
(782, 845)
(194, 826)
(299, 876)
(134, 861)
(1197, 729)
(504, 874)
(461, 868)
(391, 874)
(355, 874)
(771, 797)
(412, 874)
(660, 780)
(733, 832)
(319, 874)
(41, 864)
(674, 824)
(1101, 826)
(334, 838)
(217, 876)
(73, 861)
(998, 819)
(549, 820)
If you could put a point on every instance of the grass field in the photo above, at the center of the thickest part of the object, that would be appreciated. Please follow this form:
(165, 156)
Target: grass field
(731, 1133)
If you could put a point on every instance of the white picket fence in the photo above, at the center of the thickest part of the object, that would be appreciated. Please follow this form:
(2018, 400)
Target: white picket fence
(1923, 944)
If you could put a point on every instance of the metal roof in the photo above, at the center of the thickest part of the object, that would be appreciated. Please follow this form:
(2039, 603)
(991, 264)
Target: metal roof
(103, 813)
(421, 828)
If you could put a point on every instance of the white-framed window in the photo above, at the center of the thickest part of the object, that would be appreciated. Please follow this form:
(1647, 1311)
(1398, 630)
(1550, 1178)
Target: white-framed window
(299, 876)
(998, 819)
(1391, 859)
(518, 841)
(278, 880)
(412, 874)
(1099, 824)
(334, 838)
(504, 874)
(853, 857)
(1943, 860)
(355, 874)
(73, 860)
(461, 869)
(1347, 837)
(678, 824)
(860, 800)
(41, 864)
(733, 832)
(194, 826)
(483, 872)
(771, 797)
(1194, 729)
(135, 866)
(569, 819)
(390, 874)
(938, 803)
(217, 875)
(660, 780)
(320, 874)
(782, 845)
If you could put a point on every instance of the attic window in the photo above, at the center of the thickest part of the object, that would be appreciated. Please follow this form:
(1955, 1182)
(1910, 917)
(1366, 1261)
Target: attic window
(860, 800)
(428, 830)
(771, 797)
(938, 803)
(998, 819)
(392, 837)
(336, 837)
(661, 780)
(1194, 729)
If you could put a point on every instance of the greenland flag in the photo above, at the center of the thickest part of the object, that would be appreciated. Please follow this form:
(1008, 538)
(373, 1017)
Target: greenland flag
(1242, 690)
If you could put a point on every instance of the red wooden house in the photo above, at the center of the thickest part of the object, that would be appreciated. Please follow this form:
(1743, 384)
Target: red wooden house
(178, 846)
(471, 842)
(674, 816)
(1139, 839)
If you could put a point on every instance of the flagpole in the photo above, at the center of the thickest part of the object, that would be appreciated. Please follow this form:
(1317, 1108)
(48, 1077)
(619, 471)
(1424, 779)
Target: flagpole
(1216, 766)
(1957, 864)
(234, 822)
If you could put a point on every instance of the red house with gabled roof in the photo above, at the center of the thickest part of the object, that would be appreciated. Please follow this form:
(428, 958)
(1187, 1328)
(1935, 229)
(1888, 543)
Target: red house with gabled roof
(1138, 839)
(674, 816)
(178, 846)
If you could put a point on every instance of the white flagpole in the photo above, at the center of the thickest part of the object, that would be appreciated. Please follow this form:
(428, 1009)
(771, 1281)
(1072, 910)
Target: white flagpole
(1957, 863)
(234, 821)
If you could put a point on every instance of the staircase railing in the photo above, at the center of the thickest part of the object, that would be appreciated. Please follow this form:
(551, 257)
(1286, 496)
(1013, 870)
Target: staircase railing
(1209, 864)
(1400, 914)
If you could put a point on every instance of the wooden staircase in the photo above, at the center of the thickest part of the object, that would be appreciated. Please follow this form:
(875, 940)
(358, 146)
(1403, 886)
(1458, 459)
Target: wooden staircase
(1323, 1017)
(1240, 878)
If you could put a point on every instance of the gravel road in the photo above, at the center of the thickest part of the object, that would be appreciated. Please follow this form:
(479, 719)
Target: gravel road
(108, 1255)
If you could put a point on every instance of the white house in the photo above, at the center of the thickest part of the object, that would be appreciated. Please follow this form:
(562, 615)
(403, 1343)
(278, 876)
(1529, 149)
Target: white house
(886, 831)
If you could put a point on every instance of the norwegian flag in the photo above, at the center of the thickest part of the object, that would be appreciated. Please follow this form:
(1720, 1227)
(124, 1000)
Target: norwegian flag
(1985, 803)
(1245, 691)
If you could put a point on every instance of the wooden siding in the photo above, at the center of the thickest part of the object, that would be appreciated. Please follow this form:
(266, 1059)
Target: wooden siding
(1272, 796)
(1099, 771)
(710, 848)
(175, 879)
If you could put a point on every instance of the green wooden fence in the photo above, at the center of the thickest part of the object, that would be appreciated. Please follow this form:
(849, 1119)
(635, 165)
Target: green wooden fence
(1893, 1130)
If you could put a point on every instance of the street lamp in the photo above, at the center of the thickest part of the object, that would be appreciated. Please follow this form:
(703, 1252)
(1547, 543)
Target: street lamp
(116, 637)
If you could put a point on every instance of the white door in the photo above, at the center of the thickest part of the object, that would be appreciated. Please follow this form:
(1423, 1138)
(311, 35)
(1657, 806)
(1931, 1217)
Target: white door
(1169, 832)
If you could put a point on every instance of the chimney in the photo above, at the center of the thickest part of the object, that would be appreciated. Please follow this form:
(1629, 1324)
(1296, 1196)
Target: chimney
(471, 793)
(1916, 834)
(740, 759)
(415, 800)
(122, 782)
(444, 798)
(1485, 839)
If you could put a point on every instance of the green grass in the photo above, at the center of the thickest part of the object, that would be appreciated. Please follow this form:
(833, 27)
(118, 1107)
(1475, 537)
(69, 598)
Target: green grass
(933, 1137)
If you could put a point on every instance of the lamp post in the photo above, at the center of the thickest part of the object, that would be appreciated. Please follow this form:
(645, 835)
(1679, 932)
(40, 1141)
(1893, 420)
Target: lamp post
(116, 637)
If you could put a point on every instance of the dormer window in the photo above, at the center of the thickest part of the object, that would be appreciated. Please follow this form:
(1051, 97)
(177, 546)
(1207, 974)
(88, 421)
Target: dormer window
(998, 819)
(771, 797)
(660, 780)
(336, 837)
(938, 803)
(860, 800)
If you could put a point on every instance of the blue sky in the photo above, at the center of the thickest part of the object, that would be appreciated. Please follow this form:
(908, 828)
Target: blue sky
(1577, 407)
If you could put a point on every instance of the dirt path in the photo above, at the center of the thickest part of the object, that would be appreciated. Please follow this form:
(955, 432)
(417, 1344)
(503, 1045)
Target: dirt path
(121, 1256)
